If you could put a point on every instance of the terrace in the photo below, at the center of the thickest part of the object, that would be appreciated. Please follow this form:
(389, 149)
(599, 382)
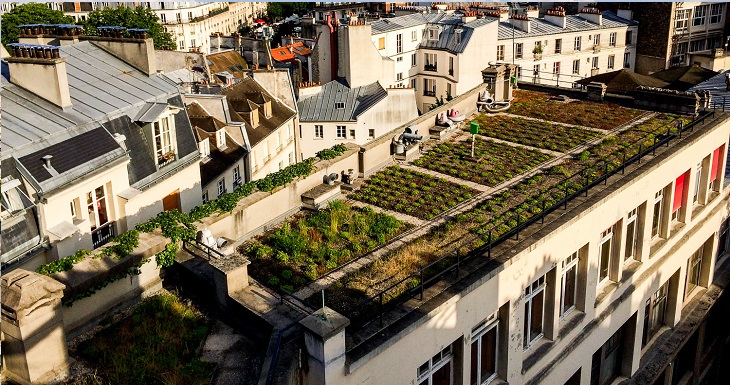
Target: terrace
(470, 214)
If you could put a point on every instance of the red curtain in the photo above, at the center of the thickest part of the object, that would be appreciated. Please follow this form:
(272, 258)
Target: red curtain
(716, 162)
(678, 192)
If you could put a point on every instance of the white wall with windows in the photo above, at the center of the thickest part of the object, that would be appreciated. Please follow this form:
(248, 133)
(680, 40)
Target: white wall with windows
(556, 308)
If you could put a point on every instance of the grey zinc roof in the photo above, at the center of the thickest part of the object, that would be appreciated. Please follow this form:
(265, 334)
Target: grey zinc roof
(405, 21)
(150, 112)
(320, 107)
(573, 23)
(100, 86)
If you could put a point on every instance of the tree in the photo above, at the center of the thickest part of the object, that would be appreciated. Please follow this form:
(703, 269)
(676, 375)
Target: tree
(281, 10)
(31, 13)
(140, 17)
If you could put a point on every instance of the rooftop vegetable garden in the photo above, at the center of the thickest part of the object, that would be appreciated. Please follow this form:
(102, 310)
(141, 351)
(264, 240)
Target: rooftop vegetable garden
(310, 245)
(493, 162)
(412, 192)
(535, 133)
(605, 116)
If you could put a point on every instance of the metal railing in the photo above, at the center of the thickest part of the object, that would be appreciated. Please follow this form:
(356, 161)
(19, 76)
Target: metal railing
(103, 234)
(207, 252)
(375, 307)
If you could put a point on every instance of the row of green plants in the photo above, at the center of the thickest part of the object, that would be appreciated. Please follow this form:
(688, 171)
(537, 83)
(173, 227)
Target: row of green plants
(310, 245)
(494, 217)
(412, 192)
(177, 226)
(534, 133)
(492, 164)
(605, 116)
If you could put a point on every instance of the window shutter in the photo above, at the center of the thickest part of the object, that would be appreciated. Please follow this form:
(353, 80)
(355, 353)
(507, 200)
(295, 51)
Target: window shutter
(678, 192)
(716, 162)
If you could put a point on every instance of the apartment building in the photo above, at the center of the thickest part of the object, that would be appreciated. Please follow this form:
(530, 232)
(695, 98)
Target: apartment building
(590, 294)
(441, 54)
(92, 145)
(559, 49)
(680, 33)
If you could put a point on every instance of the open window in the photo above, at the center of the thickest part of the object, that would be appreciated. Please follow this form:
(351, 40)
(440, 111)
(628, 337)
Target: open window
(14, 201)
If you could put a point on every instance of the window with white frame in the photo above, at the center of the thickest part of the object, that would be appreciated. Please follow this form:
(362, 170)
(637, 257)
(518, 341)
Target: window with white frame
(611, 60)
(594, 62)
(414, 35)
(694, 271)
(568, 284)
(631, 232)
(518, 51)
(627, 59)
(399, 59)
(433, 34)
(413, 60)
(716, 12)
(399, 76)
(604, 256)
(656, 220)
(484, 348)
(500, 52)
(178, 17)
(206, 199)
(399, 43)
(431, 64)
(612, 39)
(318, 132)
(576, 66)
(698, 178)
(371, 133)
(341, 132)
(204, 148)
(597, 39)
(681, 20)
(163, 18)
(339, 105)
(439, 370)
(655, 310)
(629, 38)
(556, 68)
(697, 45)
(221, 186)
(164, 147)
(700, 14)
(96, 205)
(576, 43)
(534, 312)
(236, 177)
(429, 87)
(558, 45)
(606, 361)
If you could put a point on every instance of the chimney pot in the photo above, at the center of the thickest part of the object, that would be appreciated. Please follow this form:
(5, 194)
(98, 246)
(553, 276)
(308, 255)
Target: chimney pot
(47, 160)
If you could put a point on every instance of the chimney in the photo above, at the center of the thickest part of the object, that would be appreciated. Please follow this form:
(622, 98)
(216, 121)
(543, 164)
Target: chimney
(468, 17)
(49, 34)
(532, 12)
(521, 22)
(625, 14)
(592, 14)
(41, 70)
(137, 50)
(556, 16)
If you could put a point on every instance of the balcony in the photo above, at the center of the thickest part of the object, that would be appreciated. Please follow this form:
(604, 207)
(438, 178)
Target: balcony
(102, 235)
(430, 67)
(429, 93)
(166, 159)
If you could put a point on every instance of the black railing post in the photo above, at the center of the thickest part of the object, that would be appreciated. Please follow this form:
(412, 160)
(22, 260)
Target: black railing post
(517, 234)
(489, 245)
(623, 164)
(381, 308)
(422, 284)
(542, 219)
(641, 145)
(565, 200)
(605, 172)
(653, 148)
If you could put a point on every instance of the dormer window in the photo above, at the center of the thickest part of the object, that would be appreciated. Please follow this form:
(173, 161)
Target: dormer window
(220, 138)
(164, 144)
(13, 199)
(204, 148)
(340, 105)
(433, 34)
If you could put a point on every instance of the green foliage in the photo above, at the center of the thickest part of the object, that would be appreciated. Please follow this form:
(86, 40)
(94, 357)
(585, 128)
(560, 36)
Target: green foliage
(281, 10)
(331, 153)
(30, 13)
(123, 244)
(166, 257)
(63, 264)
(139, 17)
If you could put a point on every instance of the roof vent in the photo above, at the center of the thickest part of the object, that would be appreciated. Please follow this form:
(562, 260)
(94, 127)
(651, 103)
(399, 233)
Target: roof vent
(47, 160)
(121, 139)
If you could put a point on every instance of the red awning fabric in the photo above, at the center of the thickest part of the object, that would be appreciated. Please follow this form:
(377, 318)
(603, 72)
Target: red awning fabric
(678, 193)
(716, 162)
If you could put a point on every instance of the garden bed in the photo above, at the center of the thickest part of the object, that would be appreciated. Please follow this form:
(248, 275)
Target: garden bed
(412, 192)
(605, 116)
(535, 133)
(157, 344)
(493, 162)
(310, 245)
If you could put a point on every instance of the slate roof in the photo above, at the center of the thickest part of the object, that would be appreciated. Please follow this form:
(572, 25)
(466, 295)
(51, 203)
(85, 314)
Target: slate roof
(623, 80)
(19, 230)
(573, 23)
(106, 94)
(239, 98)
(320, 107)
(684, 77)
(718, 89)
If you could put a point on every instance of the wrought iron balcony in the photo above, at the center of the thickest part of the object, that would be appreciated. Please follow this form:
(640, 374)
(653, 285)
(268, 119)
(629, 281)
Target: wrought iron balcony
(102, 235)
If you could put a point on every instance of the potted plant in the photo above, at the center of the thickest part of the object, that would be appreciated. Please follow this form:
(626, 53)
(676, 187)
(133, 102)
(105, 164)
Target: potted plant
(537, 52)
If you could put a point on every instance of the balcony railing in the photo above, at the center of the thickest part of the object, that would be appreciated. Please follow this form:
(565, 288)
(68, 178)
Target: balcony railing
(166, 159)
(430, 67)
(429, 93)
(102, 235)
